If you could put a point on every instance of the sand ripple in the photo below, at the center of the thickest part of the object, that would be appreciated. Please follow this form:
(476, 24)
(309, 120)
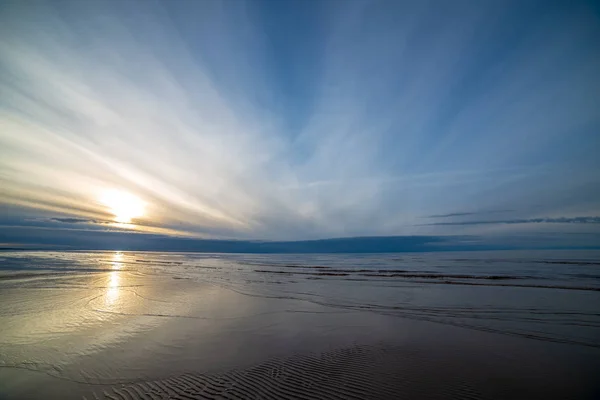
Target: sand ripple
(359, 372)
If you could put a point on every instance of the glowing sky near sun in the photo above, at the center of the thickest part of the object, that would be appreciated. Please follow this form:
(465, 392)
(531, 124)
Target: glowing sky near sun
(294, 119)
(124, 206)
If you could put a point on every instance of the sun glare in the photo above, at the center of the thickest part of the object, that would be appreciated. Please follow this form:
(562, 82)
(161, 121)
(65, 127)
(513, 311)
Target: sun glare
(124, 206)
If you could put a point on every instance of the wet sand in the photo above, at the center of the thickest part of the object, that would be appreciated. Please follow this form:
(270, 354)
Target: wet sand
(132, 333)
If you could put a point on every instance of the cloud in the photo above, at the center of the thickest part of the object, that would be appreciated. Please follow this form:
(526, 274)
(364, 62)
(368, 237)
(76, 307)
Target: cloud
(560, 220)
(459, 214)
(462, 214)
(82, 239)
(75, 220)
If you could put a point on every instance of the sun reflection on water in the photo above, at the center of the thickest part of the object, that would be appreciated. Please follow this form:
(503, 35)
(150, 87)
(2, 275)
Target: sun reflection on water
(112, 291)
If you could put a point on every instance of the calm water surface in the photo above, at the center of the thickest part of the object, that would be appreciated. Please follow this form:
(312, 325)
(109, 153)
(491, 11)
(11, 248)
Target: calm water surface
(544, 295)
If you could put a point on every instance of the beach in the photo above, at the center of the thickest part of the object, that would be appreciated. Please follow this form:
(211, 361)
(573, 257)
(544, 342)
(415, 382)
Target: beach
(144, 325)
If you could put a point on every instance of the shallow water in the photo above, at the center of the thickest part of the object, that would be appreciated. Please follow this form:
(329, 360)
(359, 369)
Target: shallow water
(113, 318)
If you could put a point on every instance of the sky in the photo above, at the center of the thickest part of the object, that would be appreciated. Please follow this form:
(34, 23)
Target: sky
(298, 120)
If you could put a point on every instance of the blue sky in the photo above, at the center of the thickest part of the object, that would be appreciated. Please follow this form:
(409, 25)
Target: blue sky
(288, 120)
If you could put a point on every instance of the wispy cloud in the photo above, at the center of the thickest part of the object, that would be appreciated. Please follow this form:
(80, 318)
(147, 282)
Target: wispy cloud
(463, 214)
(251, 120)
(459, 214)
(561, 220)
(75, 220)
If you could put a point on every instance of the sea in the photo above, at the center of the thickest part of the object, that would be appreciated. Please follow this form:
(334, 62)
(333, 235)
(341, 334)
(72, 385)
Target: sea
(549, 296)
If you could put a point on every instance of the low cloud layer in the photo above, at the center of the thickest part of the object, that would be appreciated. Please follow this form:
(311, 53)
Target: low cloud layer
(561, 220)
(463, 214)
(74, 220)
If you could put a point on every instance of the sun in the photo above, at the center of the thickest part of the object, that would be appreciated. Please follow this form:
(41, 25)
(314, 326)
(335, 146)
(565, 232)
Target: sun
(123, 205)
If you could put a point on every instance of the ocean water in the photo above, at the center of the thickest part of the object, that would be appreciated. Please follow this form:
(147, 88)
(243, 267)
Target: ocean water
(544, 295)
